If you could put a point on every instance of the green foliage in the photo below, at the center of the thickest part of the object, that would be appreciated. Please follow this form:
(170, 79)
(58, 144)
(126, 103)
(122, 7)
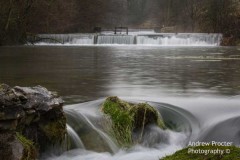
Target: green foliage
(184, 155)
(29, 152)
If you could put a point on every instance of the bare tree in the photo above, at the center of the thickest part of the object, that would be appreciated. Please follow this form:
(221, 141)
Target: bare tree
(192, 10)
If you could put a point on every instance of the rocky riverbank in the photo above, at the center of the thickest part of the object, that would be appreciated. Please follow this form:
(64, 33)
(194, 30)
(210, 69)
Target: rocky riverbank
(31, 120)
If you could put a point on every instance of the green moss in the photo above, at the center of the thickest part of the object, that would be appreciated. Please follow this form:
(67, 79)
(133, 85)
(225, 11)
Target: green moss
(29, 152)
(184, 155)
(150, 114)
(55, 131)
(128, 117)
(122, 119)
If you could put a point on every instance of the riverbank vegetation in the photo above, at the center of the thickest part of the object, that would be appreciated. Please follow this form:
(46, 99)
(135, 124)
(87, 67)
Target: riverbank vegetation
(20, 19)
(201, 153)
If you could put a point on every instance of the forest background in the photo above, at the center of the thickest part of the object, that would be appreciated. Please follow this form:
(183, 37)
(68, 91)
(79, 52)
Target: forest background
(21, 18)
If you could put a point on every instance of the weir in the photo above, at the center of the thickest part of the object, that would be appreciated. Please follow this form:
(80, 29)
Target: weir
(180, 39)
(84, 39)
(139, 38)
(115, 39)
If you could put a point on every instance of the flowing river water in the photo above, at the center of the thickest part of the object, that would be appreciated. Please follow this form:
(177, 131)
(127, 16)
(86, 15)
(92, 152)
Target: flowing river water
(196, 89)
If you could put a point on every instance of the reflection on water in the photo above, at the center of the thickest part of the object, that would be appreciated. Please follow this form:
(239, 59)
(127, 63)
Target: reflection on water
(84, 73)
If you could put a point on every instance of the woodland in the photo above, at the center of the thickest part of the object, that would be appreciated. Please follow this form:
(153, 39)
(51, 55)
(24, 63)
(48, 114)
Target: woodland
(20, 18)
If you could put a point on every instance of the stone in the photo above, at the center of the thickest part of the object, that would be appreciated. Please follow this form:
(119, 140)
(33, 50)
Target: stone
(10, 147)
(34, 112)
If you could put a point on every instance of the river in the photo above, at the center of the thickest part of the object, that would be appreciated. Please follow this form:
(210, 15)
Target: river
(202, 81)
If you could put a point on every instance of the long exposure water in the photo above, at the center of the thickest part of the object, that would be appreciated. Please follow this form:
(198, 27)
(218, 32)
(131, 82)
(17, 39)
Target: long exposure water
(201, 84)
(87, 73)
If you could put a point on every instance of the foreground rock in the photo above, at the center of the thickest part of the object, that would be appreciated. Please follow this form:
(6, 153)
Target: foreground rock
(128, 119)
(31, 120)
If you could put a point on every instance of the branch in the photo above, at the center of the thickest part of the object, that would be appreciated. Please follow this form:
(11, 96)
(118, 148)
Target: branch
(36, 39)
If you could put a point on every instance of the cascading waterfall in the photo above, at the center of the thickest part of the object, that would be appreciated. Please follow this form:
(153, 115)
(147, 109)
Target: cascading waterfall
(82, 126)
(113, 39)
(76, 141)
(87, 127)
(158, 39)
(88, 123)
(181, 39)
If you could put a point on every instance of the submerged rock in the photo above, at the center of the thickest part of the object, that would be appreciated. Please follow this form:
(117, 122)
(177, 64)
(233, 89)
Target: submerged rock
(92, 138)
(36, 114)
(128, 119)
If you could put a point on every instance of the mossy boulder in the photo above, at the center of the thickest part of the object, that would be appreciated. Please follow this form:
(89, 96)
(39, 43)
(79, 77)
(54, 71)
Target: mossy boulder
(34, 112)
(53, 131)
(128, 118)
(145, 114)
(230, 153)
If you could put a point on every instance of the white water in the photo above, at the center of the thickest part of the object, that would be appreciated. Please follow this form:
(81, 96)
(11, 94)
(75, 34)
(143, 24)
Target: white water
(135, 153)
(83, 39)
(134, 38)
(203, 119)
(81, 120)
(180, 39)
(74, 136)
(156, 142)
(111, 39)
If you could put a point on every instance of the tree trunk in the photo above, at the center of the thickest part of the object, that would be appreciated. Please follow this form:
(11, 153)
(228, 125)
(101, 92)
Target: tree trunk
(9, 16)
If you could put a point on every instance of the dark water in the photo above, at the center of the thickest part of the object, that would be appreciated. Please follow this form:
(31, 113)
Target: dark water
(87, 73)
